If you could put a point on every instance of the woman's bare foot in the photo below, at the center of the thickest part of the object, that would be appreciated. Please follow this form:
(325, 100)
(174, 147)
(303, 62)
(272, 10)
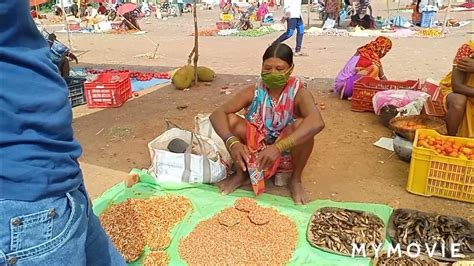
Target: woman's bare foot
(232, 183)
(297, 192)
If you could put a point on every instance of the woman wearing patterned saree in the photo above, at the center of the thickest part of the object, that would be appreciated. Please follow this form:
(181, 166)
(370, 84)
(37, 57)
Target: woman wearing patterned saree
(458, 90)
(278, 130)
(365, 62)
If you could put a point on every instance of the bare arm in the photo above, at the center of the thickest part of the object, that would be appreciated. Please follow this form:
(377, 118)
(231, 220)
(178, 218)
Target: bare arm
(312, 122)
(457, 81)
(219, 119)
(382, 74)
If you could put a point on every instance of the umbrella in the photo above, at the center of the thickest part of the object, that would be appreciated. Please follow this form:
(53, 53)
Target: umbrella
(37, 2)
(125, 8)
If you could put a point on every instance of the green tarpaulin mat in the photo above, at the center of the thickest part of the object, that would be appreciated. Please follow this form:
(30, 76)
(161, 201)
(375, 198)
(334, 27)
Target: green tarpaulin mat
(207, 201)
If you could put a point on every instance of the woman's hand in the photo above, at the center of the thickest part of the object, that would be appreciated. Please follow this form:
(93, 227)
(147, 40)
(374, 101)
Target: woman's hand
(267, 157)
(466, 64)
(240, 155)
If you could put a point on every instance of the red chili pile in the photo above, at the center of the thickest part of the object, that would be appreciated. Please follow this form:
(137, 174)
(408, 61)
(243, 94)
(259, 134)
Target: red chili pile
(141, 76)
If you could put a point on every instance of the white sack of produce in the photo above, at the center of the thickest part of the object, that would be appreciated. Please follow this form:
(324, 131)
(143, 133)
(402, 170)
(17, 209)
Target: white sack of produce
(398, 98)
(200, 163)
(203, 127)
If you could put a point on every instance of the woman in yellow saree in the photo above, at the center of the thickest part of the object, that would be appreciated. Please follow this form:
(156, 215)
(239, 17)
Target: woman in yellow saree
(458, 90)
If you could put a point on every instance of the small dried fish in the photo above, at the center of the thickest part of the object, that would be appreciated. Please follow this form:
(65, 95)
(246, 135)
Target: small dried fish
(404, 260)
(430, 229)
(337, 229)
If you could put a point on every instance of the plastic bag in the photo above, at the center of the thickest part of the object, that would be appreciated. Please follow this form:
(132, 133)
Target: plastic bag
(399, 98)
(329, 24)
(200, 163)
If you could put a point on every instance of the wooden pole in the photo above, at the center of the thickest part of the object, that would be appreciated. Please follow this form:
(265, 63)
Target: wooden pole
(196, 43)
(309, 12)
(67, 26)
(448, 10)
(388, 9)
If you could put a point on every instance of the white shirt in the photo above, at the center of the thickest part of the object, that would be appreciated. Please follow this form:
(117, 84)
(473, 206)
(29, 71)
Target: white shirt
(293, 7)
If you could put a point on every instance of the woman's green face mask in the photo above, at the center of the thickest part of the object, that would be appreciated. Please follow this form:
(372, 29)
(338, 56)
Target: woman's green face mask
(276, 80)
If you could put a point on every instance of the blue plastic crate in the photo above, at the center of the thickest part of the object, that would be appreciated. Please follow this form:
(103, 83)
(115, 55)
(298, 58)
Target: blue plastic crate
(427, 18)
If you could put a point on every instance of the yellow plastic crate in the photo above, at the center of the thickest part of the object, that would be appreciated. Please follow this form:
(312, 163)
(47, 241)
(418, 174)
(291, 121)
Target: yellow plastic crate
(432, 174)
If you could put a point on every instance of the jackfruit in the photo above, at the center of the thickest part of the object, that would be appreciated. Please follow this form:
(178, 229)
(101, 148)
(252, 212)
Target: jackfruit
(205, 74)
(183, 78)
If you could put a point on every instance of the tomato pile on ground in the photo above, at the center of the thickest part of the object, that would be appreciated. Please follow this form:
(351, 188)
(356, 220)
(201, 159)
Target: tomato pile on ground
(141, 76)
(447, 146)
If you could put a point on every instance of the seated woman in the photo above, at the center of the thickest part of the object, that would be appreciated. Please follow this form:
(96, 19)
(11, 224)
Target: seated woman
(279, 127)
(458, 90)
(365, 62)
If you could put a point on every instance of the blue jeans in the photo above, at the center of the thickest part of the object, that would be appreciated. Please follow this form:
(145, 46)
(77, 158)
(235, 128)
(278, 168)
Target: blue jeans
(54, 231)
(293, 23)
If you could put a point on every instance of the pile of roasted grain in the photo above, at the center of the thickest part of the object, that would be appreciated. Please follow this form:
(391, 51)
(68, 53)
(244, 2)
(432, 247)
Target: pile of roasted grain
(242, 235)
(135, 223)
(335, 229)
(156, 258)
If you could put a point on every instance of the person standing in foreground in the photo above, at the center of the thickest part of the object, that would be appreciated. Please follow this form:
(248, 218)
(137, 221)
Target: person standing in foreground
(278, 131)
(45, 215)
(294, 21)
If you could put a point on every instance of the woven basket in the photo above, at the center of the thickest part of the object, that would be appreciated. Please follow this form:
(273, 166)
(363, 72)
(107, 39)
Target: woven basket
(400, 124)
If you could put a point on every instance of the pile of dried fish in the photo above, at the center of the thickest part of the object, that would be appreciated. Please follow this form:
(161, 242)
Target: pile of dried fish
(403, 260)
(135, 223)
(335, 230)
(431, 231)
(245, 234)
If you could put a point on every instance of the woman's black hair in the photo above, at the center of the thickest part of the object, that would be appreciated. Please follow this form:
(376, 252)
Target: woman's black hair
(280, 51)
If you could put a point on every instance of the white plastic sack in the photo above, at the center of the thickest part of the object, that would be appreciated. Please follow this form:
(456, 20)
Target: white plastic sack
(398, 98)
(203, 127)
(329, 24)
(186, 167)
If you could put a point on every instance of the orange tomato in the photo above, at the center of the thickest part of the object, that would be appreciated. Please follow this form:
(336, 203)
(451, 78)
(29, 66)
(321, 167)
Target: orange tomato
(448, 149)
(422, 136)
(466, 151)
(454, 154)
(470, 145)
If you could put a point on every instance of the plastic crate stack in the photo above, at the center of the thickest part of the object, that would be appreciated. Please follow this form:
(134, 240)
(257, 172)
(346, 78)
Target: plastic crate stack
(366, 87)
(76, 93)
(109, 89)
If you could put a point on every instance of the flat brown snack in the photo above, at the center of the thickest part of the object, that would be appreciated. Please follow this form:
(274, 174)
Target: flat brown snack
(230, 217)
(262, 216)
(245, 204)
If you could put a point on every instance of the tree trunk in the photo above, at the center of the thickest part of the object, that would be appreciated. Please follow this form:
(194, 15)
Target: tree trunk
(196, 47)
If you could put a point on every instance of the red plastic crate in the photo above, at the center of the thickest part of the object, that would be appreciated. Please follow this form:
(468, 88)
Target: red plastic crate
(110, 89)
(366, 87)
(434, 105)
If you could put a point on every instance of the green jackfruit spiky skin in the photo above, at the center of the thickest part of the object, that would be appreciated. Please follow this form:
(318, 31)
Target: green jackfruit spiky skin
(183, 78)
(205, 74)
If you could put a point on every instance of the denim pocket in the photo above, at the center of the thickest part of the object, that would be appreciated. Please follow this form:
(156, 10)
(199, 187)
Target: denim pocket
(34, 235)
(32, 229)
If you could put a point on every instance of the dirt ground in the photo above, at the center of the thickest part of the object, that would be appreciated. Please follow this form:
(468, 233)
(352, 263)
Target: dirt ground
(344, 166)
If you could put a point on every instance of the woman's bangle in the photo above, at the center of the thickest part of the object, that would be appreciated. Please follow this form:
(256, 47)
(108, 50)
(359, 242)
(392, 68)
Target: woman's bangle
(285, 144)
(232, 144)
(230, 140)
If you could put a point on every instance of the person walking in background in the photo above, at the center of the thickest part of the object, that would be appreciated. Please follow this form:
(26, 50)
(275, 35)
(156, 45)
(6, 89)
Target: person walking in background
(294, 21)
(181, 7)
(45, 213)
